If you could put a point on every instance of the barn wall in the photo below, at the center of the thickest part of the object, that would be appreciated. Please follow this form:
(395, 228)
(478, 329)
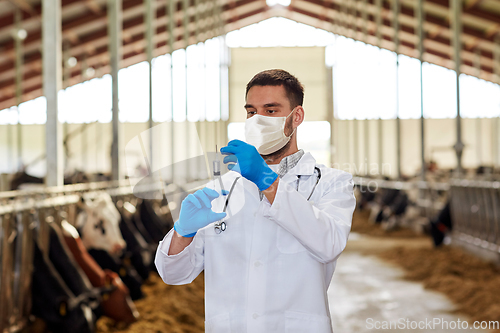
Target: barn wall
(306, 63)
(439, 140)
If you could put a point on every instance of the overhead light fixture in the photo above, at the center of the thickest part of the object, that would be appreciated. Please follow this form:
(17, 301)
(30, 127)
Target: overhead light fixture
(20, 34)
(89, 72)
(278, 2)
(72, 62)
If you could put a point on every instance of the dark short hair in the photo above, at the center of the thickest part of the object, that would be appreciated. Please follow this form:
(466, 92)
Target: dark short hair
(278, 77)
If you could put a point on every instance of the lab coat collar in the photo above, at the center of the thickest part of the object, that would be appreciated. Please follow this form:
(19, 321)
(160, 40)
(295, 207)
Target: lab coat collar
(304, 167)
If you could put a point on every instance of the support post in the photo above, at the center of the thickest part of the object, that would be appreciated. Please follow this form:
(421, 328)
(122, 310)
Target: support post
(479, 130)
(52, 77)
(185, 25)
(456, 22)
(378, 34)
(149, 17)
(84, 135)
(10, 146)
(380, 146)
(364, 15)
(199, 168)
(115, 47)
(171, 39)
(420, 32)
(65, 84)
(223, 76)
(496, 56)
(19, 85)
(395, 22)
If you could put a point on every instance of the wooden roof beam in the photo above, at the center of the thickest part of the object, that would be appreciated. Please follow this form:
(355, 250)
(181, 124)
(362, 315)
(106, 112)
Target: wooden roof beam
(23, 5)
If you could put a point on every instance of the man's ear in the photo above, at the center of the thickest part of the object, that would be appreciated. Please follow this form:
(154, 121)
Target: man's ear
(298, 118)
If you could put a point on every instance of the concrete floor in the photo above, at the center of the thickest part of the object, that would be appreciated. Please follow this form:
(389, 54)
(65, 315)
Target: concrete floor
(366, 290)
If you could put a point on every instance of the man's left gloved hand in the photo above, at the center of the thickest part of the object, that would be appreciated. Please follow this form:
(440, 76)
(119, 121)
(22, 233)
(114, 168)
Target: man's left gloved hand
(249, 163)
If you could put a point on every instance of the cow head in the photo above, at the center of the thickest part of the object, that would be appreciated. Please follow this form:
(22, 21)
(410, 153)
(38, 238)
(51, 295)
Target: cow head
(99, 224)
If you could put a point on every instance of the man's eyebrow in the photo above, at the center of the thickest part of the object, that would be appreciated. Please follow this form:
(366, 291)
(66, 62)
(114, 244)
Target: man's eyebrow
(268, 105)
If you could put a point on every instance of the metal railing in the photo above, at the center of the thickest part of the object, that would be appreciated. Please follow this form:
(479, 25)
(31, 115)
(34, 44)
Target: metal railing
(475, 210)
(426, 195)
(475, 206)
(18, 220)
(23, 217)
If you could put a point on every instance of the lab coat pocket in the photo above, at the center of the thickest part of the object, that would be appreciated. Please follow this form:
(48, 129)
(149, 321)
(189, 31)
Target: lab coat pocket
(299, 322)
(218, 324)
(287, 243)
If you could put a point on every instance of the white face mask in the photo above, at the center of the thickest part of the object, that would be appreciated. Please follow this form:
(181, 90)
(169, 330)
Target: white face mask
(267, 134)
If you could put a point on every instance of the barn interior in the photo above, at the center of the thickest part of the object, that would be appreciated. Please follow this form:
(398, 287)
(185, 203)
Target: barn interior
(112, 111)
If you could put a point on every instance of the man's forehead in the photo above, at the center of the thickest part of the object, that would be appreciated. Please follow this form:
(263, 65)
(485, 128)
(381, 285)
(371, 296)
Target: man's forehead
(267, 95)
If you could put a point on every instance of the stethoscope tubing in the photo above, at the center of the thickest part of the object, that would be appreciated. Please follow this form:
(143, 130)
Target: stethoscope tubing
(317, 171)
(221, 225)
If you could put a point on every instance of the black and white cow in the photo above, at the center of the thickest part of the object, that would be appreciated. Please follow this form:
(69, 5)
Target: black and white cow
(441, 225)
(139, 252)
(392, 208)
(61, 294)
(100, 225)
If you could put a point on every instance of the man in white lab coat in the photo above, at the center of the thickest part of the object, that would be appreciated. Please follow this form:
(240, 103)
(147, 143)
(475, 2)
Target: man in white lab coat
(270, 257)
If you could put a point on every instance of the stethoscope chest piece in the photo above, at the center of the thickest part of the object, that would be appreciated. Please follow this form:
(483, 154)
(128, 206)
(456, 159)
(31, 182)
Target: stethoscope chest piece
(220, 227)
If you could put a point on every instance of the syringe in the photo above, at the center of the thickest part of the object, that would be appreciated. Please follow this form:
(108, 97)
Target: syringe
(219, 225)
(217, 175)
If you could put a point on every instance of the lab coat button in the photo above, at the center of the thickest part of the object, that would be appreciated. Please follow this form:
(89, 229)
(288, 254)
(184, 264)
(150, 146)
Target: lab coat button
(255, 316)
(257, 264)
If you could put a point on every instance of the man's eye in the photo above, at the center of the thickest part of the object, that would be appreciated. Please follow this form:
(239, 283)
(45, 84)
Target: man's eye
(271, 111)
(250, 112)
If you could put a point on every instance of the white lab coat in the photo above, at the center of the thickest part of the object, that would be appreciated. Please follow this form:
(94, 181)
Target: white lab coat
(269, 271)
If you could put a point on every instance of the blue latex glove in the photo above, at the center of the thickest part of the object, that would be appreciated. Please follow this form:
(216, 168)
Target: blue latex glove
(249, 163)
(196, 212)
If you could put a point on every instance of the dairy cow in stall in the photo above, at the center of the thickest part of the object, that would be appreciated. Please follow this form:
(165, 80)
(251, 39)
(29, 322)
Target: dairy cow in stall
(390, 207)
(117, 304)
(441, 225)
(22, 178)
(140, 248)
(100, 226)
(55, 303)
(62, 295)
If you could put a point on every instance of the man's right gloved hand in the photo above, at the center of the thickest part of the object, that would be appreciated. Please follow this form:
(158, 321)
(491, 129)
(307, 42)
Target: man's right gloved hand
(196, 212)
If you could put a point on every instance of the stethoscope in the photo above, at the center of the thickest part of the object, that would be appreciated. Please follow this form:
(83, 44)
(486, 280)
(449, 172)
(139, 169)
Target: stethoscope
(317, 172)
(221, 225)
